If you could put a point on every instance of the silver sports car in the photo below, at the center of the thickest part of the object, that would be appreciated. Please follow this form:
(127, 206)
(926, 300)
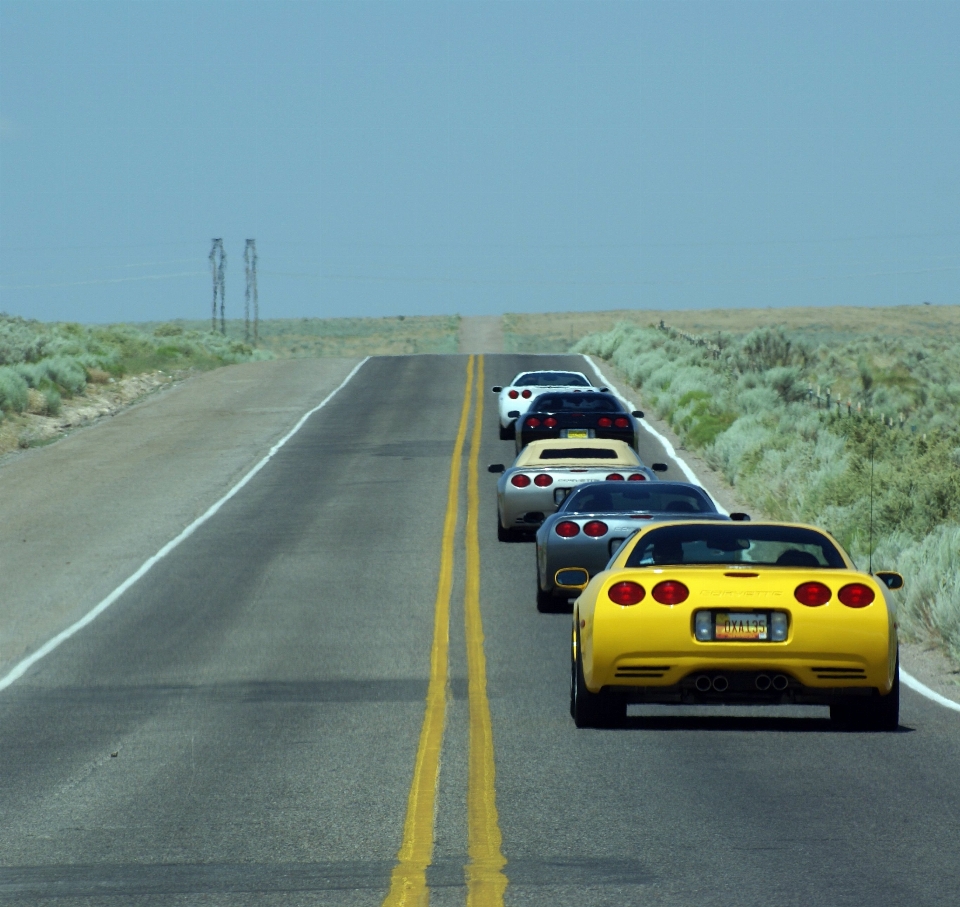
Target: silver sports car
(545, 472)
(596, 519)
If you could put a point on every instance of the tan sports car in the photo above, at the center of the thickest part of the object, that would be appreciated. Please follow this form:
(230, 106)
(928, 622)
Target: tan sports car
(545, 472)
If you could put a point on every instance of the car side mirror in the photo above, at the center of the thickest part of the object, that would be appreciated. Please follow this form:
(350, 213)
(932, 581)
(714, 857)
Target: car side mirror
(740, 517)
(604, 390)
(496, 467)
(496, 388)
(572, 578)
(659, 467)
(637, 413)
(513, 414)
(890, 579)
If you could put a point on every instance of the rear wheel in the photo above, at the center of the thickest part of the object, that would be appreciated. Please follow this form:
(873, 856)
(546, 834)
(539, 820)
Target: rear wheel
(505, 535)
(591, 709)
(547, 603)
(879, 714)
(507, 434)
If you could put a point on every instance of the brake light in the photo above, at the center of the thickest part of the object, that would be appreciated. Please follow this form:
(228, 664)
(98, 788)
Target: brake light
(604, 422)
(533, 422)
(520, 480)
(567, 529)
(513, 395)
(670, 592)
(526, 395)
(614, 477)
(812, 594)
(543, 480)
(626, 593)
(637, 477)
(595, 529)
(856, 595)
(621, 422)
(550, 422)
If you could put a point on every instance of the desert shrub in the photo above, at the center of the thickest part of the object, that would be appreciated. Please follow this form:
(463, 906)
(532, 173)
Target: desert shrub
(768, 348)
(930, 602)
(53, 400)
(13, 390)
(168, 330)
(65, 372)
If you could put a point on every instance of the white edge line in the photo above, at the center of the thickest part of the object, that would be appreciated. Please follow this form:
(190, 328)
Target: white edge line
(908, 679)
(20, 669)
(924, 690)
(667, 446)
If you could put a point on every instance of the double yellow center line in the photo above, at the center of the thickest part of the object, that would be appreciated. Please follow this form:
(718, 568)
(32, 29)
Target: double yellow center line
(484, 872)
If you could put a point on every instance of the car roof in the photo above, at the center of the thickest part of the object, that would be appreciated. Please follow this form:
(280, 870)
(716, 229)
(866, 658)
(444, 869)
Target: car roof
(531, 455)
(637, 490)
(549, 371)
(746, 528)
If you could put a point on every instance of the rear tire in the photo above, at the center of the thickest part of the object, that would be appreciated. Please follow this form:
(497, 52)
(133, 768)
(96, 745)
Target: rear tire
(505, 535)
(591, 709)
(508, 433)
(879, 714)
(547, 603)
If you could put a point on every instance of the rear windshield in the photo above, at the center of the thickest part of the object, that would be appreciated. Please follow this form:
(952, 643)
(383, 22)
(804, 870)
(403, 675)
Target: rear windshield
(735, 543)
(637, 497)
(576, 403)
(578, 453)
(551, 379)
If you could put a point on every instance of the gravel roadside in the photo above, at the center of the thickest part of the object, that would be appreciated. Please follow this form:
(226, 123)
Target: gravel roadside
(923, 660)
(79, 516)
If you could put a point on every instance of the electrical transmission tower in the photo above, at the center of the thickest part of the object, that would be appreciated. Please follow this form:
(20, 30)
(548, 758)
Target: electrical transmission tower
(218, 267)
(250, 265)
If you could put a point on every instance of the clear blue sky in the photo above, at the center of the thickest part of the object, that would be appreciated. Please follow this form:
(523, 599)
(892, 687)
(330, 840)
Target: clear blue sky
(421, 158)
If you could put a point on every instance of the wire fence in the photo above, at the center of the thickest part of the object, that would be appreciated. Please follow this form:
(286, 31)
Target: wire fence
(817, 396)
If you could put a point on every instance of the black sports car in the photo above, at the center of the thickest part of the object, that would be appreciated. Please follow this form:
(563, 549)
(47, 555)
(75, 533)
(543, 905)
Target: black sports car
(577, 415)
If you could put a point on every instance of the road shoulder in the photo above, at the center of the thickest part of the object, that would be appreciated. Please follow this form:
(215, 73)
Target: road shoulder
(80, 516)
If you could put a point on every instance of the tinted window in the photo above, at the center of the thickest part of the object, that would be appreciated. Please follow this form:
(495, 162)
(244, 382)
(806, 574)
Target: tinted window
(639, 496)
(576, 403)
(551, 379)
(738, 543)
(578, 453)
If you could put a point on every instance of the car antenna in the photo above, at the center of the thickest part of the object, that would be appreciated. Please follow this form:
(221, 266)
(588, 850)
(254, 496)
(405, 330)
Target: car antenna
(870, 543)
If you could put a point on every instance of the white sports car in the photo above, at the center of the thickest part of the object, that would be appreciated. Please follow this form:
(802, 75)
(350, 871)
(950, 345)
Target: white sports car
(515, 398)
(545, 472)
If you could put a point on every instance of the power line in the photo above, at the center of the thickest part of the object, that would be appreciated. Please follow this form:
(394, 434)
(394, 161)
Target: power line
(103, 282)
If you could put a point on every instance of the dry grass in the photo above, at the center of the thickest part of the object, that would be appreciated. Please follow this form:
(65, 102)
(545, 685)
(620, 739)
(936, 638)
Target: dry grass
(306, 338)
(558, 331)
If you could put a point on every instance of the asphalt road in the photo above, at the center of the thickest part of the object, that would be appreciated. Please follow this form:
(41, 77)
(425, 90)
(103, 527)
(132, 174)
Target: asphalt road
(243, 726)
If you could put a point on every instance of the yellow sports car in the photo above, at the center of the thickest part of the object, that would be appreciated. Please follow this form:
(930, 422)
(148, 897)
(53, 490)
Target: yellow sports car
(743, 612)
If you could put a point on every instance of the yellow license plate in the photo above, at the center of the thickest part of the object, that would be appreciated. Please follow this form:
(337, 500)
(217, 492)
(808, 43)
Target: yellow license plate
(577, 433)
(740, 626)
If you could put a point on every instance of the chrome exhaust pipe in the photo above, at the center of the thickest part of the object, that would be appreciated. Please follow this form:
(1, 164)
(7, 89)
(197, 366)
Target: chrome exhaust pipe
(703, 683)
(720, 683)
(762, 682)
(780, 683)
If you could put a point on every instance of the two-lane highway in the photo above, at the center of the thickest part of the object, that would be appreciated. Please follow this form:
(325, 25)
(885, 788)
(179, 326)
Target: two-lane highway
(266, 690)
